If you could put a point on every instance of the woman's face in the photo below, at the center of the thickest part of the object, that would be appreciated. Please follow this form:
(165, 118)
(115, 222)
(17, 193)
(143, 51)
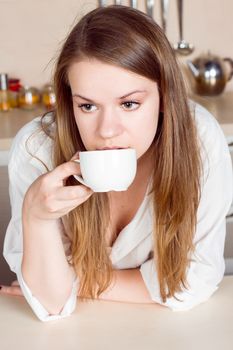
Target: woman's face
(113, 107)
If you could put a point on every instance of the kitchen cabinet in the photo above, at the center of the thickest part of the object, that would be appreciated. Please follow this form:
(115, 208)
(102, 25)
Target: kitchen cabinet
(10, 123)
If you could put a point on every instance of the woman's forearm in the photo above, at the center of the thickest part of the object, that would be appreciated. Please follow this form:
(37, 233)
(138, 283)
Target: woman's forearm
(44, 266)
(127, 286)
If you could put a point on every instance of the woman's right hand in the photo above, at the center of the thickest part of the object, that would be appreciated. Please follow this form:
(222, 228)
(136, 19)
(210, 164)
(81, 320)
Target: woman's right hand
(48, 198)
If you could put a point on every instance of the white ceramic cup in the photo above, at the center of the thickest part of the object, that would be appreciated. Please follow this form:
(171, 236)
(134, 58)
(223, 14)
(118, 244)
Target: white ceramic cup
(107, 170)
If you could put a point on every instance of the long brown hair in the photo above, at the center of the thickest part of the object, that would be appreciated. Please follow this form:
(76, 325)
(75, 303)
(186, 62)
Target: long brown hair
(128, 38)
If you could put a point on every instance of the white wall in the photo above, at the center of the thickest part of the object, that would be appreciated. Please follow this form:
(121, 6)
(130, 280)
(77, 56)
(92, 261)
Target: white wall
(31, 31)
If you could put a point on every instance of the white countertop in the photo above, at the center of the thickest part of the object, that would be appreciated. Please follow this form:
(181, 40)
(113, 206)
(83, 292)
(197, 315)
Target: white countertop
(222, 108)
(12, 121)
(111, 325)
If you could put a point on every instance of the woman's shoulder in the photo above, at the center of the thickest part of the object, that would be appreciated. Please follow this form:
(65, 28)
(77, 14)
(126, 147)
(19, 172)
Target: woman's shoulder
(34, 140)
(210, 133)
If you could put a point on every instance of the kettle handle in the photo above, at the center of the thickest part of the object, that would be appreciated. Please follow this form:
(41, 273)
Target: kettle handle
(230, 61)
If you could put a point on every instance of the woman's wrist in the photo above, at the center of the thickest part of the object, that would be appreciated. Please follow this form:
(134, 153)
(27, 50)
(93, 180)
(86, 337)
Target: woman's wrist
(34, 214)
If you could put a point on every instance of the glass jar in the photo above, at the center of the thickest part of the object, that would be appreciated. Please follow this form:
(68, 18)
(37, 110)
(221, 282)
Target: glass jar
(4, 93)
(29, 97)
(14, 87)
(48, 97)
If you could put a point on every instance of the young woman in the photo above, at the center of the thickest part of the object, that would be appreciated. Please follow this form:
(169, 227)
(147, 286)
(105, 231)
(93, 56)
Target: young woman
(118, 85)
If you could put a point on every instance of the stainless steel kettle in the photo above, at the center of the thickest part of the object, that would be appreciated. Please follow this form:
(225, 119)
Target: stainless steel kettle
(210, 73)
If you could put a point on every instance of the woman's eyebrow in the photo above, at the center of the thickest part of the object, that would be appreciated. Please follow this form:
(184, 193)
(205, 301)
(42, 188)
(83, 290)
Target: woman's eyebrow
(120, 98)
(82, 97)
(131, 93)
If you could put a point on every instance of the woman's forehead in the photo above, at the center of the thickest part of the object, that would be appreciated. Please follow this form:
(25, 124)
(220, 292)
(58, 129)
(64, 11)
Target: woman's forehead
(92, 74)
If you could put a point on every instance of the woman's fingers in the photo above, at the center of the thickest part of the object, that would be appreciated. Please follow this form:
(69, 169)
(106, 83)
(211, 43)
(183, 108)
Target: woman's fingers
(11, 290)
(68, 198)
(65, 170)
(78, 192)
(49, 198)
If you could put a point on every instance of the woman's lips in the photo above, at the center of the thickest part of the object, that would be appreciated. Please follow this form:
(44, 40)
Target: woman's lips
(111, 148)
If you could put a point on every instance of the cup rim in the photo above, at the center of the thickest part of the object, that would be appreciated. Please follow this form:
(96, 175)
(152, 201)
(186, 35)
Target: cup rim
(108, 150)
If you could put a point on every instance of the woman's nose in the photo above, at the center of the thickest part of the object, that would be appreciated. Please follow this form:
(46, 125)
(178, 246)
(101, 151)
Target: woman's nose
(109, 125)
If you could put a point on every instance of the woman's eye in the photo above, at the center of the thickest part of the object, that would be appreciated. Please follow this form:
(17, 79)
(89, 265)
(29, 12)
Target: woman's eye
(130, 105)
(87, 107)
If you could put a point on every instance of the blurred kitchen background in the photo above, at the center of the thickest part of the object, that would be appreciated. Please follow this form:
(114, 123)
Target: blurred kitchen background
(31, 33)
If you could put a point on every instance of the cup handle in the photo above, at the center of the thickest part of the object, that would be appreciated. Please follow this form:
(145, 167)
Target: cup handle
(78, 177)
